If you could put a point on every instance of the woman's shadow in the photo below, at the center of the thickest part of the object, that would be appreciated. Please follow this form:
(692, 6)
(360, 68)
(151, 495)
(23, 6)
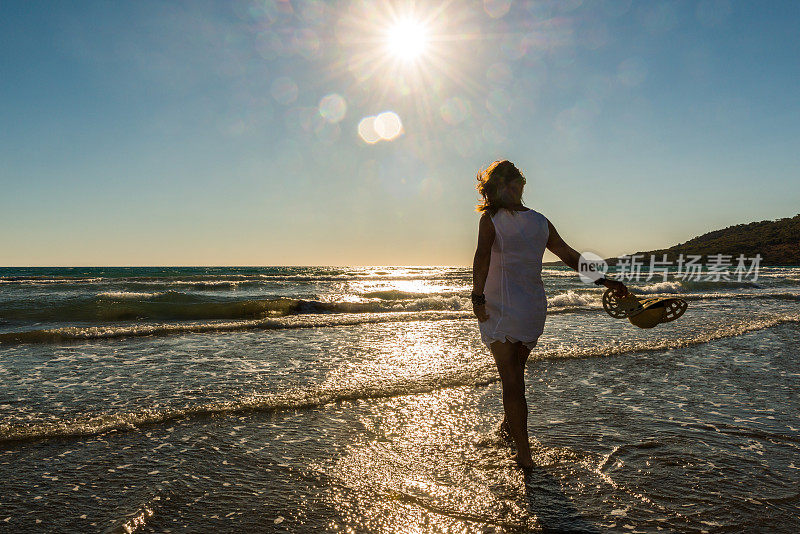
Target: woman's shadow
(552, 507)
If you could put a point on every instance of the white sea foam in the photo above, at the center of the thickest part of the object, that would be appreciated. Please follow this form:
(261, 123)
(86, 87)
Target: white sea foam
(566, 273)
(34, 281)
(571, 299)
(660, 287)
(129, 294)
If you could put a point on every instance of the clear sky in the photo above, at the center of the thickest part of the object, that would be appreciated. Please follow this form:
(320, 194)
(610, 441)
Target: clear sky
(245, 133)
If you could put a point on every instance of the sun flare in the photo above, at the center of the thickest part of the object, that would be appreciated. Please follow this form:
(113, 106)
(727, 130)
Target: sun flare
(410, 62)
(407, 39)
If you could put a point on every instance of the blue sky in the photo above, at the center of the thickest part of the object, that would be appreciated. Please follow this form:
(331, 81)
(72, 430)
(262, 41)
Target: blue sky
(192, 133)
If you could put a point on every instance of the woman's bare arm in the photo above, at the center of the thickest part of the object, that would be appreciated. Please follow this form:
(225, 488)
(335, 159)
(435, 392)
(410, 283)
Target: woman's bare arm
(571, 257)
(559, 247)
(480, 264)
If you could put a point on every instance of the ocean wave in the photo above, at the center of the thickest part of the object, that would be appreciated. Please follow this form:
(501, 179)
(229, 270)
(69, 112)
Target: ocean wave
(559, 273)
(690, 286)
(693, 285)
(742, 296)
(396, 294)
(203, 284)
(659, 287)
(74, 333)
(347, 388)
(33, 280)
(262, 278)
(176, 309)
(129, 294)
(589, 300)
(227, 280)
(572, 299)
(116, 306)
(460, 300)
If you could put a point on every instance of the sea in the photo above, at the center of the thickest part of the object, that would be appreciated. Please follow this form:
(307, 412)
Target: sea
(360, 399)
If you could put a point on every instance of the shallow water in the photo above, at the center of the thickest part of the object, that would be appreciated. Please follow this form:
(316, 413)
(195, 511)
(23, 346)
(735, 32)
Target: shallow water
(360, 399)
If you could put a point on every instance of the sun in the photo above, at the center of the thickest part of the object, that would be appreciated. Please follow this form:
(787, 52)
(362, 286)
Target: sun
(407, 39)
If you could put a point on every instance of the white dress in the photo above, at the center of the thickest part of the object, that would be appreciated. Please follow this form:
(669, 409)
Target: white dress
(515, 299)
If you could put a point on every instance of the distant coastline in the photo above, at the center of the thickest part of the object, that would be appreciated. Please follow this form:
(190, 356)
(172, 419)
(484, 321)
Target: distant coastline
(778, 243)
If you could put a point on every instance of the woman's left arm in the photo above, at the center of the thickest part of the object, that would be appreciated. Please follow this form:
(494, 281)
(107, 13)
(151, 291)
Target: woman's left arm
(481, 262)
(571, 257)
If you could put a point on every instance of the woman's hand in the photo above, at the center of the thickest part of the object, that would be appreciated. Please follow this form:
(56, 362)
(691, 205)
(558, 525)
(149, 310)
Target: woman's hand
(617, 287)
(480, 312)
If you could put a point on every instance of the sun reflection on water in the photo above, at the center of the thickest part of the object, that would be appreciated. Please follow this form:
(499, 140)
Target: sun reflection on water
(403, 477)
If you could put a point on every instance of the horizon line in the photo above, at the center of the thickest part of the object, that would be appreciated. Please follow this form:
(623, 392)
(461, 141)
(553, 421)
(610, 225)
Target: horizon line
(223, 265)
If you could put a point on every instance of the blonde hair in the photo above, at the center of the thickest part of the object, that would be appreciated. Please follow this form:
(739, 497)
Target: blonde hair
(491, 182)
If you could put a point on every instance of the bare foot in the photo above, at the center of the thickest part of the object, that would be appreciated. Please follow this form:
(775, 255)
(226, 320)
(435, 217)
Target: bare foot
(505, 431)
(524, 464)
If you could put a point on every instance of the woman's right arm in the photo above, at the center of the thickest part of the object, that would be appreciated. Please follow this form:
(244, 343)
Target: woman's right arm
(480, 264)
(571, 257)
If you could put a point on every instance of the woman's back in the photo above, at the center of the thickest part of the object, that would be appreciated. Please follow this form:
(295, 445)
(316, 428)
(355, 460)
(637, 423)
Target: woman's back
(515, 299)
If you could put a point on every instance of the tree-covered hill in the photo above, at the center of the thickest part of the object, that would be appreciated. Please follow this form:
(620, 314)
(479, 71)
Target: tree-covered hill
(778, 242)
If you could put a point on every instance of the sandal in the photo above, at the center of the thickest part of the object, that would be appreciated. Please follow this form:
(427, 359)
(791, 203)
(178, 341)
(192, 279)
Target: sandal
(644, 313)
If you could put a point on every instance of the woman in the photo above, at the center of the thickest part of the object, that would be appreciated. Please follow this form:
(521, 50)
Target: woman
(507, 294)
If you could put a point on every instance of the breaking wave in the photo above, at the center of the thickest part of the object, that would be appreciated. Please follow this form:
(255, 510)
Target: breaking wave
(74, 333)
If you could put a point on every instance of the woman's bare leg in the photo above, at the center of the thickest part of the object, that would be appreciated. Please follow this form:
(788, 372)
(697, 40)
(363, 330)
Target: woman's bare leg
(507, 357)
(522, 356)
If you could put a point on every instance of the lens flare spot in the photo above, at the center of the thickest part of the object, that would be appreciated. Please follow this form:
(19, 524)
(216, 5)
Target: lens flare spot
(496, 8)
(455, 110)
(333, 107)
(306, 43)
(498, 102)
(388, 125)
(367, 132)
